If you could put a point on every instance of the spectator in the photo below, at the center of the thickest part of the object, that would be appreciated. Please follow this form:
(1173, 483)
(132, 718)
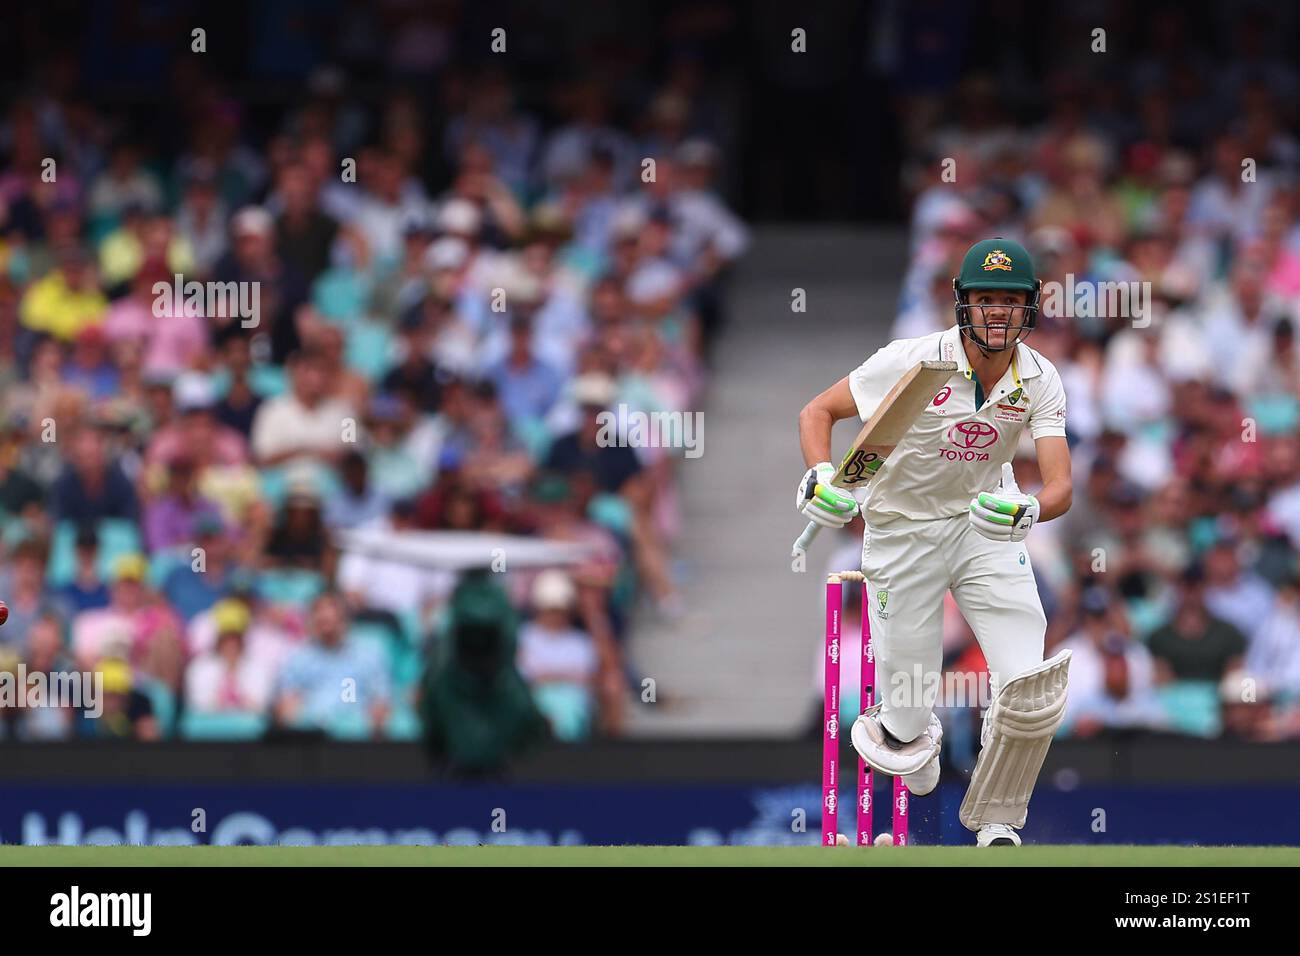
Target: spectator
(332, 682)
(128, 713)
(237, 409)
(66, 300)
(123, 185)
(87, 590)
(205, 574)
(304, 234)
(45, 656)
(25, 592)
(306, 424)
(20, 493)
(299, 538)
(416, 373)
(133, 616)
(558, 660)
(1274, 654)
(90, 367)
(1195, 645)
(398, 473)
(272, 632)
(194, 436)
(228, 678)
(358, 503)
(527, 386)
(1112, 677)
(254, 262)
(92, 485)
(1233, 594)
(171, 518)
(201, 219)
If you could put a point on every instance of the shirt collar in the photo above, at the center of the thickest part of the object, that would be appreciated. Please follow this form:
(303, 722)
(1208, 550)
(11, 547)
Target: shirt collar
(952, 350)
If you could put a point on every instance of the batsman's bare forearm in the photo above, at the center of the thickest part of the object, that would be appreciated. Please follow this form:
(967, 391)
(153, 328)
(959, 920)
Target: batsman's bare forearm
(1058, 488)
(819, 416)
(1054, 499)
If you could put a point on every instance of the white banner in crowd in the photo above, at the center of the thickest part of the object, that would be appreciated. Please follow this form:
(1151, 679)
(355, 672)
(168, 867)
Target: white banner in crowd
(460, 550)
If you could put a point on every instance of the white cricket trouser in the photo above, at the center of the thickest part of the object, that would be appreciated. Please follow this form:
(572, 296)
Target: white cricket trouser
(913, 563)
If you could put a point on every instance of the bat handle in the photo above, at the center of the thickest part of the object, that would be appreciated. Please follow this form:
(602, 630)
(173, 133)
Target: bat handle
(805, 539)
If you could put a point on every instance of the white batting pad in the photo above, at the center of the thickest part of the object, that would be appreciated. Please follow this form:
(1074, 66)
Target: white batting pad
(1017, 732)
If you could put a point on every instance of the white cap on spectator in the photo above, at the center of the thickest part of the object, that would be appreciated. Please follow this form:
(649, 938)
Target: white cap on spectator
(652, 282)
(252, 221)
(629, 220)
(193, 390)
(552, 590)
(459, 217)
(520, 285)
(594, 388)
(449, 252)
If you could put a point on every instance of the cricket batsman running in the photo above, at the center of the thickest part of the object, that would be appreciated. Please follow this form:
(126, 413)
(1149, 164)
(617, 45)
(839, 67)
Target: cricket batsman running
(943, 513)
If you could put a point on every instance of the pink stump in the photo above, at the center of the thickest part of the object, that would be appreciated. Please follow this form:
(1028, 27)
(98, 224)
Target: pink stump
(831, 715)
(868, 683)
(901, 800)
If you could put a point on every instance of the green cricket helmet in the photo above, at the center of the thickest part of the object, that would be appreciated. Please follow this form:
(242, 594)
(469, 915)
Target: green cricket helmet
(996, 264)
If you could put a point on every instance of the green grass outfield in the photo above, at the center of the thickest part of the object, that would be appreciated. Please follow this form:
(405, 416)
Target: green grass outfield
(648, 856)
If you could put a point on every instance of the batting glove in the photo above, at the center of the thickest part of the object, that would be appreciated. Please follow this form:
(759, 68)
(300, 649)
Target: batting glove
(818, 501)
(1005, 514)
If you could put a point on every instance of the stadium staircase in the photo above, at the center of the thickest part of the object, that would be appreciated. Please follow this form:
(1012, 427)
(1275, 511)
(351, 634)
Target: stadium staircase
(742, 659)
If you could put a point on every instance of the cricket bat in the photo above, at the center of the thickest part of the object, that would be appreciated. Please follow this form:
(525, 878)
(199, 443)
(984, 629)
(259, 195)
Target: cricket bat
(885, 429)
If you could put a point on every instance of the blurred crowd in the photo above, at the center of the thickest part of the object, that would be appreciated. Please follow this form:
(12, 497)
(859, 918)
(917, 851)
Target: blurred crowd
(1174, 576)
(416, 326)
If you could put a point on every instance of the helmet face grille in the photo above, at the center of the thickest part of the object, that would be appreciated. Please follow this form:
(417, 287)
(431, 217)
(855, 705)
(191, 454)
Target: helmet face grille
(1028, 314)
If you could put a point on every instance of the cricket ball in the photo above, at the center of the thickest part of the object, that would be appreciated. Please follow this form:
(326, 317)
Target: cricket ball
(4, 612)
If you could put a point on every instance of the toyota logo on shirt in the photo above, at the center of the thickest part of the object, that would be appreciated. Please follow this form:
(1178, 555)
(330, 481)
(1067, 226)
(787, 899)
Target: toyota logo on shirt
(972, 434)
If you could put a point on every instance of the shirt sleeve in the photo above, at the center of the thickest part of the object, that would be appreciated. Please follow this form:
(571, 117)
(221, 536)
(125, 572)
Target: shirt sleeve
(871, 381)
(1047, 417)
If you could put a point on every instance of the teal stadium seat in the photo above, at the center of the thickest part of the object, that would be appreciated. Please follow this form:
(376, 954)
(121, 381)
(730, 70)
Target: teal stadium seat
(117, 537)
(1192, 707)
(533, 434)
(162, 563)
(340, 295)
(612, 512)
(1275, 414)
(163, 701)
(370, 349)
(567, 708)
(403, 722)
(275, 482)
(289, 586)
(232, 725)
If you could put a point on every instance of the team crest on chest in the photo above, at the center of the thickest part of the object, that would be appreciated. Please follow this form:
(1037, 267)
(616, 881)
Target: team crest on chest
(997, 260)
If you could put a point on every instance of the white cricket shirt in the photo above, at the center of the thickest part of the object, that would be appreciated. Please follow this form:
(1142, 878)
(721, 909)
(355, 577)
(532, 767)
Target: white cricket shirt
(954, 450)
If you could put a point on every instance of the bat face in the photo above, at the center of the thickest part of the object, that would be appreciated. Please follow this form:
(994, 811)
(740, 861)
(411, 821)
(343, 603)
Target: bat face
(860, 465)
(891, 421)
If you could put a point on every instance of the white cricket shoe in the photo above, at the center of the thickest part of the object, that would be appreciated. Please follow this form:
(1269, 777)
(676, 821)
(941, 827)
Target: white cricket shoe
(997, 834)
(896, 760)
(924, 780)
